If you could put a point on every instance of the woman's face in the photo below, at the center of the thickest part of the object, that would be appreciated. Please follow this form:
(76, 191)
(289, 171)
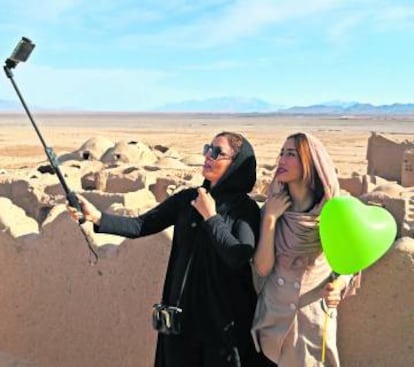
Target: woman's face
(214, 169)
(289, 168)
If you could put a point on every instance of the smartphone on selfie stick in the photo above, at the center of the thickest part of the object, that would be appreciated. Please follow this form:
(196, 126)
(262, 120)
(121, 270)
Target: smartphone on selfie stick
(21, 53)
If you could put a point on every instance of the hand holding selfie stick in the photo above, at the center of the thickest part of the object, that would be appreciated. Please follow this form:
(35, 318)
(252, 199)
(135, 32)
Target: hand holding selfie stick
(21, 53)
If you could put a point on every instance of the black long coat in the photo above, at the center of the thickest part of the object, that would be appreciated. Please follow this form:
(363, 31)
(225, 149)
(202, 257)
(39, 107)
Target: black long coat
(219, 290)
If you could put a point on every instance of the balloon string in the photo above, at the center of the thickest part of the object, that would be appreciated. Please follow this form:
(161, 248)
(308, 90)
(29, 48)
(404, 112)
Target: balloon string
(325, 328)
(325, 323)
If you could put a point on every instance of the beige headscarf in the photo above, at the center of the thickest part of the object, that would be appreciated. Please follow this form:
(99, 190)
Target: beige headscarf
(298, 233)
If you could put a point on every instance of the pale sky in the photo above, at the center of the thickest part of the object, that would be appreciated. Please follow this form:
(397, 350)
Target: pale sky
(131, 55)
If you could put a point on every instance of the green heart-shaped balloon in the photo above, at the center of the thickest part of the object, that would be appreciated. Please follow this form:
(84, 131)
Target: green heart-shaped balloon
(354, 235)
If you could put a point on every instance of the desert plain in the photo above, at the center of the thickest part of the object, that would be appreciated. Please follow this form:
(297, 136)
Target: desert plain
(345, 137)
(56, 310)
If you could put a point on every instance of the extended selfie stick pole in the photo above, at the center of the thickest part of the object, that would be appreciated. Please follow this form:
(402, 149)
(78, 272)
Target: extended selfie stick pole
(21, 53)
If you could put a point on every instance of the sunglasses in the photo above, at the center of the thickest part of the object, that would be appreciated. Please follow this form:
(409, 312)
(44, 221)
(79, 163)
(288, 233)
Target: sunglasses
(215, 152)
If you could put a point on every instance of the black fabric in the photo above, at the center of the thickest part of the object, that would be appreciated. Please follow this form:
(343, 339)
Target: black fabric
(189, 352)
(219, 300)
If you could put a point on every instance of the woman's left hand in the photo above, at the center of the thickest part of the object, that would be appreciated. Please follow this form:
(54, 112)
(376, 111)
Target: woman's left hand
(332, 292)
(204, 204)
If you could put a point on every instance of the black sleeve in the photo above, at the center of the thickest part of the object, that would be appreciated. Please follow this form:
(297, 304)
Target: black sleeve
(153, 221)
(235, 246)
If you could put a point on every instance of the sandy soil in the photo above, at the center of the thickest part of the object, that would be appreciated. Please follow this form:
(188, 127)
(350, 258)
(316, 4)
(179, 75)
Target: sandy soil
(346, 139)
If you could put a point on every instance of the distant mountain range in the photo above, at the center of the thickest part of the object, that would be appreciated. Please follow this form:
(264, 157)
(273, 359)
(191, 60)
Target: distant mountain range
(354, 109)
(255, 105)
(251, 105)
(223, 104)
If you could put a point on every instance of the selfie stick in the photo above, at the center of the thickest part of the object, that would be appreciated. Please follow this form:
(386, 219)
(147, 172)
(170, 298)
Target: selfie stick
(21, 53)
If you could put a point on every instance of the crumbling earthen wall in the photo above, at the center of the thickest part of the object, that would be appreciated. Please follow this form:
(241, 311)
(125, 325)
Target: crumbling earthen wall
(375, 326)
(385, 156)
(407, 171)
(57, 310)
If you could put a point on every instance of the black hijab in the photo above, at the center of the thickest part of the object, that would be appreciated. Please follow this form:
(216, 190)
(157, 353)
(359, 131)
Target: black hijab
(240, 177)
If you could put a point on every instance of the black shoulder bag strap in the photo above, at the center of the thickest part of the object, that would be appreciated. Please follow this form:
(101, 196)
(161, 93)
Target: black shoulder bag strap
(187, 269)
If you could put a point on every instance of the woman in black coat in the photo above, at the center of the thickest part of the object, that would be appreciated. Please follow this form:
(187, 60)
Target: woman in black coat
(215, 231)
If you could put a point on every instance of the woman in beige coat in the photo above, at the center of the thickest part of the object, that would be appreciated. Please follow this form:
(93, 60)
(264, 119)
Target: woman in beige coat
(292, 277)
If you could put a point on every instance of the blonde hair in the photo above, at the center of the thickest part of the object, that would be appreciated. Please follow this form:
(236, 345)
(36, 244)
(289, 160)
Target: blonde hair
(309, 175)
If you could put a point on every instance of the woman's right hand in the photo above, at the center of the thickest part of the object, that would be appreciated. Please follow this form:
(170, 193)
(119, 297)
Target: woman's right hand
(264, 257)
(89, 211)
(277, 204)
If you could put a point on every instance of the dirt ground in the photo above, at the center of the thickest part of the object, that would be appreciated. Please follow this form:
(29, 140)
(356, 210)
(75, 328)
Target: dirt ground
(345, 139)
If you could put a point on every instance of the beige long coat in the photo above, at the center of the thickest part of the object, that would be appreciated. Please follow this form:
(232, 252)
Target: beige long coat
(289, 319)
